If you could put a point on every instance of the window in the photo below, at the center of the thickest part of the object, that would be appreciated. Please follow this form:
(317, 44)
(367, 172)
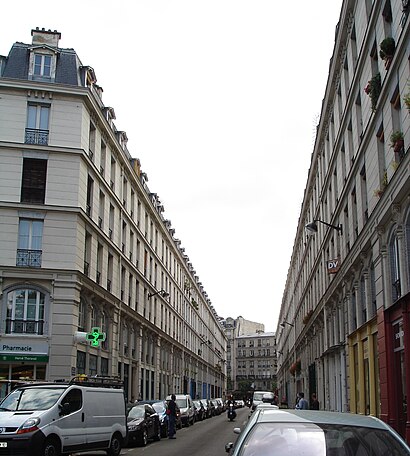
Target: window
(75, 400)
(33, 183)
(90, 186)
(395, 267)
(37, 124)
(42, 65)
(81, 315)
(25, 312)
(29, 243)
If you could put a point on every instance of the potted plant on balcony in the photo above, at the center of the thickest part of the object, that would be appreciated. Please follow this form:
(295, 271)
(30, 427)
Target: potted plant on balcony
(406, 100)
(383, 184)
(387, 48)
(373, 89)
(307, 317)
(397, 141)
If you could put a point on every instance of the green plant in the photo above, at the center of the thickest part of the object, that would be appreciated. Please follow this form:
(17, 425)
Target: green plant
(373, 89)
(387, 48)
(406, 100)
(383, 184)
(395, 137)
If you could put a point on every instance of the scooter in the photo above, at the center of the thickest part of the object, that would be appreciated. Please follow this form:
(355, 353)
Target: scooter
(231, 413)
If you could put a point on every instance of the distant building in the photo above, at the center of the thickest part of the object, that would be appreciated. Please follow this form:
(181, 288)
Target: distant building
(251, 355)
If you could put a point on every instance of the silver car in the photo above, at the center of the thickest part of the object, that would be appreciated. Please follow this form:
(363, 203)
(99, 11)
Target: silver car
(271, 432)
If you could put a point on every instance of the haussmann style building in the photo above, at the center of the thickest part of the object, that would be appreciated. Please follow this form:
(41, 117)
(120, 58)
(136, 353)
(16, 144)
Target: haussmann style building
(92, 278)
(344, 327)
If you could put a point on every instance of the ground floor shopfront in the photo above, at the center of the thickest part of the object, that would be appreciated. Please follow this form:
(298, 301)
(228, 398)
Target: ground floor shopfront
(394, 359)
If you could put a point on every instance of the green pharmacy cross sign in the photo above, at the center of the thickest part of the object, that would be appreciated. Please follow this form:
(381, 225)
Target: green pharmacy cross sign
(95, 337)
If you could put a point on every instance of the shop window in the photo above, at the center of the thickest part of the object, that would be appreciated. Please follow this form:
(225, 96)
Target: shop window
(93, 365)
(80, 362)
(25, 312)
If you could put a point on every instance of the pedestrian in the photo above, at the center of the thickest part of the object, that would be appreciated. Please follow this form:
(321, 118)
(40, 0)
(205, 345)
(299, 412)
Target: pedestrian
(314, 403)
(302, 403)
(172, 414)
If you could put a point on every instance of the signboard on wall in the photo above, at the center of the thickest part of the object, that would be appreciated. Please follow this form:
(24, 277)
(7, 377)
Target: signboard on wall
(333, 265)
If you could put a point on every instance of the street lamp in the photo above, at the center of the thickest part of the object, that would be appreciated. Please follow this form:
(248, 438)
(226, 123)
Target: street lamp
(311, 228)
(286, 323)
(161, 292)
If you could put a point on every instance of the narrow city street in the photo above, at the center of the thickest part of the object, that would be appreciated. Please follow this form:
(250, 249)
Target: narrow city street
(204, 438)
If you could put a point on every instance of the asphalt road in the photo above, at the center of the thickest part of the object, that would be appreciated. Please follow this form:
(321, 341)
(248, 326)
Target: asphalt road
(204, 438)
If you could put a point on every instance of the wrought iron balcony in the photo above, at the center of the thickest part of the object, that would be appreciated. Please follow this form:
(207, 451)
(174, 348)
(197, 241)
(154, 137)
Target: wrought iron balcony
(29, 258)
(20, 326)
(34, 136)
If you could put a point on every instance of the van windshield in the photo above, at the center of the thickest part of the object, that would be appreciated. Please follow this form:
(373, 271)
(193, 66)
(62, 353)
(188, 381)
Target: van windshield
(31, 399)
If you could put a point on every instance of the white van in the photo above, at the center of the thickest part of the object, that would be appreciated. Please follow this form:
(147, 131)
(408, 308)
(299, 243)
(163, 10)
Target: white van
(41, 419)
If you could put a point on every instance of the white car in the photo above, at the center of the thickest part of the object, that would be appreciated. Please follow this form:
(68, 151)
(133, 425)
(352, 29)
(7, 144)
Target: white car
(288, 432)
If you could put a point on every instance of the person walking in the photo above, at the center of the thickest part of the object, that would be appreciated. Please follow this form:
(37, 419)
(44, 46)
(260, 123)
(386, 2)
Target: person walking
(302, 403)
(314, 403)
(172, 414)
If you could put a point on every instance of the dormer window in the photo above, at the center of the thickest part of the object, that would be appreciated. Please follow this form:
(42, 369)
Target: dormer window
(42, 65)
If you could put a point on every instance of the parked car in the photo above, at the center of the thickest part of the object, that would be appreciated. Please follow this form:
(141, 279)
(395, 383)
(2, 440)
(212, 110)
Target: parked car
(186, 408)
(199, 411)
(221, 404)
(161, 408)
(217, 406)
(257, 398)
(239, 403)
(315, 433)
(212, 411)
(143, 424)
(207, 407)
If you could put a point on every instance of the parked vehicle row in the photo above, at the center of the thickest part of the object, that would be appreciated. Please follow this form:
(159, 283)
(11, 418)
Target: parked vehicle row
(147, 420)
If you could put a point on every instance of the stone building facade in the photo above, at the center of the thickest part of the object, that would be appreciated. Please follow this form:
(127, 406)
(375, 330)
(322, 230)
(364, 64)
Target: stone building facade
(84, 245)
(344, 320)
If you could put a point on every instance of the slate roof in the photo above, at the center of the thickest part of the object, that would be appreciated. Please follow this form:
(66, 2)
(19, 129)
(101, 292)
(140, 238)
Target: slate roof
(67, 70)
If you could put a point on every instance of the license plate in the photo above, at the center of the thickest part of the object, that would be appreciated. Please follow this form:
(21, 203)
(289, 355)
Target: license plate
(3, 444)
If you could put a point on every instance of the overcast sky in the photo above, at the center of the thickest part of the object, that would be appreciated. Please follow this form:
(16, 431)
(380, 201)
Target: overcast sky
(219, 100)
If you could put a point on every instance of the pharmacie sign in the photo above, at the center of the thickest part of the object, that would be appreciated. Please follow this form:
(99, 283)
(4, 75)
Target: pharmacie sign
(23, 351)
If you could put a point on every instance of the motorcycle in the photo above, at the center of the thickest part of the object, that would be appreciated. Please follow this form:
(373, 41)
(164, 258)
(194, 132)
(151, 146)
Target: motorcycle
(231, 413)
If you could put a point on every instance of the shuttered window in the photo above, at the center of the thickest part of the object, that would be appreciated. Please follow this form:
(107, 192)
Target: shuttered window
(33, 185)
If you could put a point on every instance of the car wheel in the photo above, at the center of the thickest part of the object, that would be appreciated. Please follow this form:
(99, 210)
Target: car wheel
(164, 431)
(115, 446)
(158, 434)
(144, 438)
(51, 448)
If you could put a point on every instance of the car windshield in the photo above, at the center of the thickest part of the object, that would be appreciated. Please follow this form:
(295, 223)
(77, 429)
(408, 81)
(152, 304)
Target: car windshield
(137, 412)
(181, 403)
(308, 439)
(32, 399)
(159, 407)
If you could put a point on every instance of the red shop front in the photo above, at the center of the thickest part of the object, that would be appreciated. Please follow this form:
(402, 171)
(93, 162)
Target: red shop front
(394, 353)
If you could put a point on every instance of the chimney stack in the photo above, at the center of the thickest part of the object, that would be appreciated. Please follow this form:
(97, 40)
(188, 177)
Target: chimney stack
(44, 36)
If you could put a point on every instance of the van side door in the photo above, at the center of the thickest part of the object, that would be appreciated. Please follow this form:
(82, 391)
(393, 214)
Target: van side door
(71, 421)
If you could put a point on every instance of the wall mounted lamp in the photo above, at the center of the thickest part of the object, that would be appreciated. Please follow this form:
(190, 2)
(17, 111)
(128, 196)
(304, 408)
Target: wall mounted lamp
(311, 228)
(286, 323)
(161, 292)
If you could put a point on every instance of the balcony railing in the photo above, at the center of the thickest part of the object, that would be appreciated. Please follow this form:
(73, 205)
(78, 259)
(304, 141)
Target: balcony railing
(19, 326)
(30, 258)
(34, 136)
